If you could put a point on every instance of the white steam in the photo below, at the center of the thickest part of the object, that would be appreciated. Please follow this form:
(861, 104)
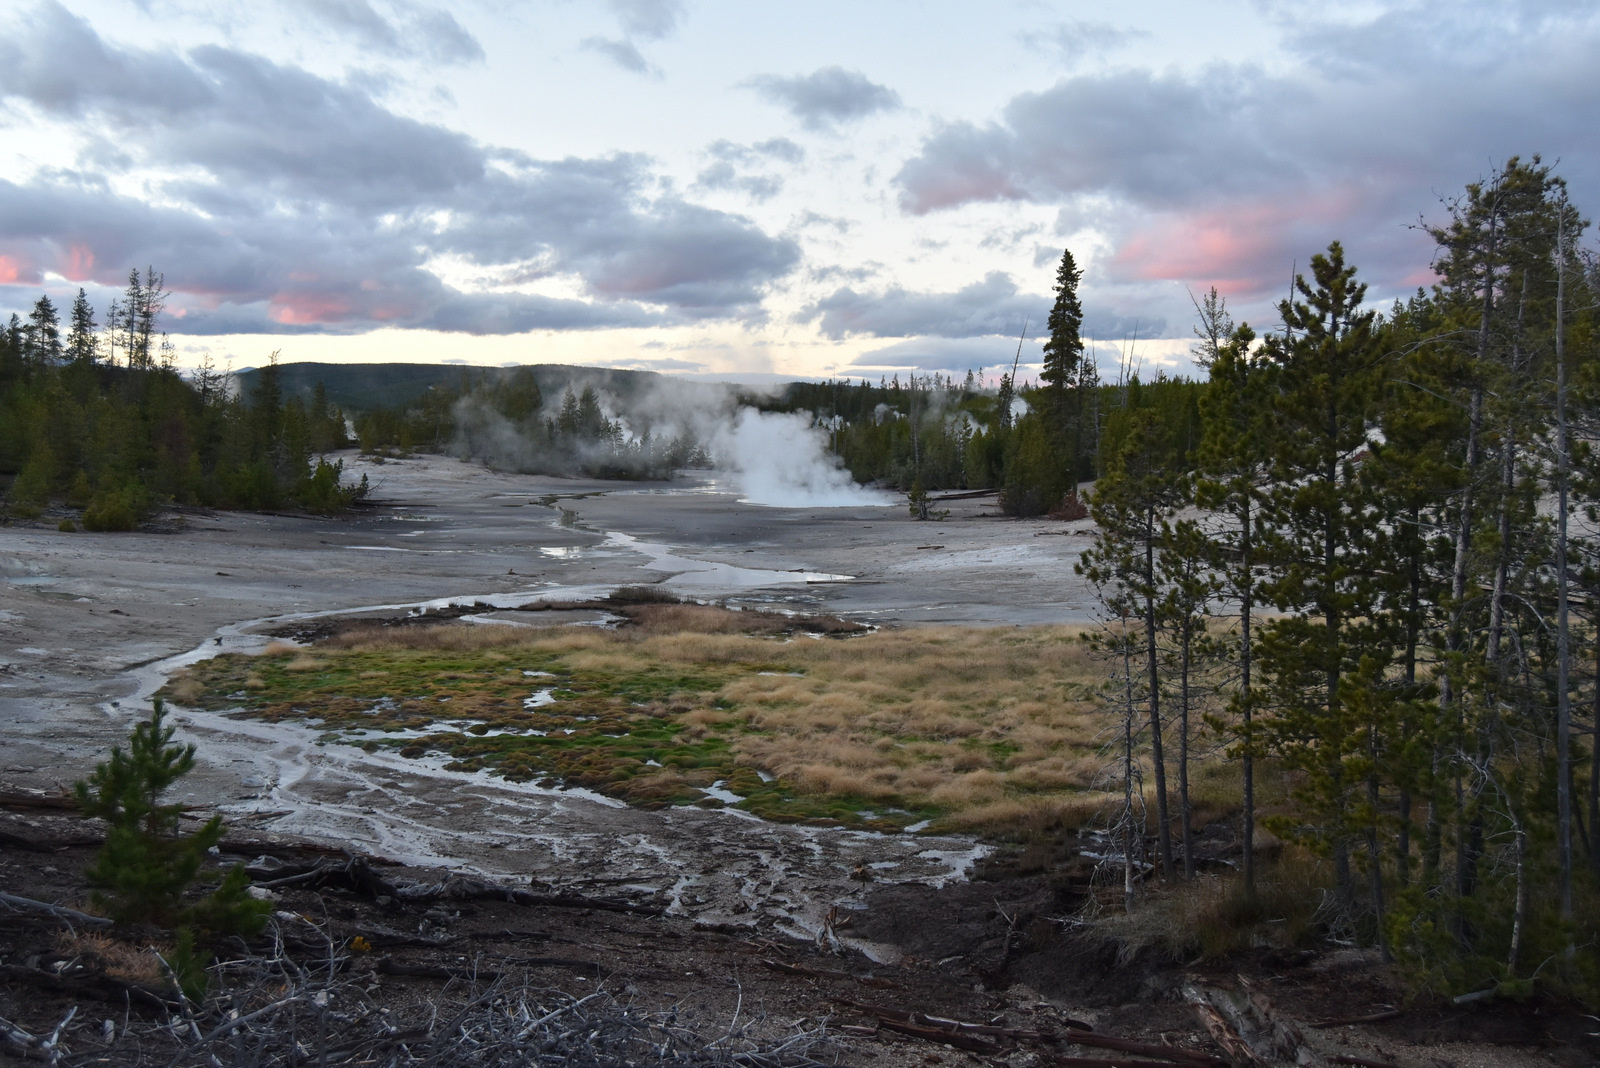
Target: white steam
(781, 461)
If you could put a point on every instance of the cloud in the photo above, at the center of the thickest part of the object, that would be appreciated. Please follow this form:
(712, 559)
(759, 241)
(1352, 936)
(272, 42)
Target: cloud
(1232, 172)
(284, 201)
(1074, 42)
(649, 19)
(946, 354)
(726, 173)
(826, 97)
(990, 306)
(413, 30)
(623, 53)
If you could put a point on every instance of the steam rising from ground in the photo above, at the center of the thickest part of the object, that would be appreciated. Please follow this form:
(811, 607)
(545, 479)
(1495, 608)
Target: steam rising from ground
(781, 461)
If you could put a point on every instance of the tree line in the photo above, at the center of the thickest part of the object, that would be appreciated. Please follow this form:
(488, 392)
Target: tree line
(99, 421)
(1373, 570)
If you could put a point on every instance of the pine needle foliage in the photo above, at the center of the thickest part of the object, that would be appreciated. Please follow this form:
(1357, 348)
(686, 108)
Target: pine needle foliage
(146, 864)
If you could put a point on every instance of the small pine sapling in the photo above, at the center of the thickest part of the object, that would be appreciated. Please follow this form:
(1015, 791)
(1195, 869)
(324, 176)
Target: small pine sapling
(146, 865)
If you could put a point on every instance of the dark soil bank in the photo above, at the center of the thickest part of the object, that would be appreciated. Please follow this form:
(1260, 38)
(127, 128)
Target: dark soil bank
(373, 963)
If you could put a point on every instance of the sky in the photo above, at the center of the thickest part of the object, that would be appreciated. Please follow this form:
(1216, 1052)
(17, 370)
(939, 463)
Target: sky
(752, 188)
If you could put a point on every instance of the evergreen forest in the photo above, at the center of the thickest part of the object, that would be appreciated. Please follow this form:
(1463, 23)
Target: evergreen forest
(1364, 556)
(99, 419)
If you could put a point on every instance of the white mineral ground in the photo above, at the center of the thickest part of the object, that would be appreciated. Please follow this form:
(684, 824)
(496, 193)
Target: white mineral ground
(90, 624)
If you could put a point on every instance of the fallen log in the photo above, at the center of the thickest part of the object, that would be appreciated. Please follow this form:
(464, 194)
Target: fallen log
(1221, 1031)
(959, 1039)
(1285, 1038)
(30, 799)
(55, 912)
(1171, 1054)
(1371, 1017)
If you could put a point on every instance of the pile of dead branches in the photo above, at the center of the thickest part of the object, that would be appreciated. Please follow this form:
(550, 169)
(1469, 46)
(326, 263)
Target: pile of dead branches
(284, 1007)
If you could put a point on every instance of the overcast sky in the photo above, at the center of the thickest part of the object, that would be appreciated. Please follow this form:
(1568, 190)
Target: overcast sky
(703, 186)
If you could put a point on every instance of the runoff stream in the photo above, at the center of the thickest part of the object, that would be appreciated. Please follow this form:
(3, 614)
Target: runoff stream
(723, 867)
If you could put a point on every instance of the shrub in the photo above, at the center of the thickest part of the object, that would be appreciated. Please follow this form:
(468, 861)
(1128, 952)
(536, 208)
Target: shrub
(67, 526)
(145, 866)
(31, 490)
(115, 510)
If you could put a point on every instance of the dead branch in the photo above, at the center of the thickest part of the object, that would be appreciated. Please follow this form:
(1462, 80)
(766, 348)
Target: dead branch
(1371, 1017)
(952, 1037)
(55, 912)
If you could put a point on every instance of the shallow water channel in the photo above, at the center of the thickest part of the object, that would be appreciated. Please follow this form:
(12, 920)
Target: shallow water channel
(719, 866)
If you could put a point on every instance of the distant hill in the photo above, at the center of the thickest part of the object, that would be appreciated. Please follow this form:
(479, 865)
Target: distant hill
(363, 387)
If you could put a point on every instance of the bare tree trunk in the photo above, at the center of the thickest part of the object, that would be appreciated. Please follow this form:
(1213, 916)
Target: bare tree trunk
(1563, 636)
(1248, 861)
(1184, 809)
(1127, 764)
(1163, 826)
(1519, 919)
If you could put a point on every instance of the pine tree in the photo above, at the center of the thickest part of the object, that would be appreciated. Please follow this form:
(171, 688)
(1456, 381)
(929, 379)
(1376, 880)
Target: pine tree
(1326, 652)
(1063, 352)
(44, 333)
(81, 340)
(1140, 490)
(146, 865)
(1235, 462)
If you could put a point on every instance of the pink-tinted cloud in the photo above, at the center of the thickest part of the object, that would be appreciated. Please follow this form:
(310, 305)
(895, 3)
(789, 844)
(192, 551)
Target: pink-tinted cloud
(79, 263)
(14, 269)
(1243, 248)
(302, 309)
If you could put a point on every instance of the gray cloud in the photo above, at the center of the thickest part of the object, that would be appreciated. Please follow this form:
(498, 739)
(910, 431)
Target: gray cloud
(826, 97)
(623, 53)
(728, 158)
(1074, 42)
(646, 20)
(412, 29)
(954, 355)
(1230, 173)
(303, 204)
(649, 19)
(990, 306)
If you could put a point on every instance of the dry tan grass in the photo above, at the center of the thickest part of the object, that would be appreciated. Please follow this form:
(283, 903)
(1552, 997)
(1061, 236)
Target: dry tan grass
(186, 689)
(998, 728)
(138, 965)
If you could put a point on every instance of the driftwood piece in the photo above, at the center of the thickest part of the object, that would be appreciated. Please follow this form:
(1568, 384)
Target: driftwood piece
(1281, 1033)
(38, 799)
(1371, 1017)
(948, 1037)
(1221, 1031)
(56, 912)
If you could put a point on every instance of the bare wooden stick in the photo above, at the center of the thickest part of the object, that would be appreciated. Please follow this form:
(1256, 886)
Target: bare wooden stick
(58, 912)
